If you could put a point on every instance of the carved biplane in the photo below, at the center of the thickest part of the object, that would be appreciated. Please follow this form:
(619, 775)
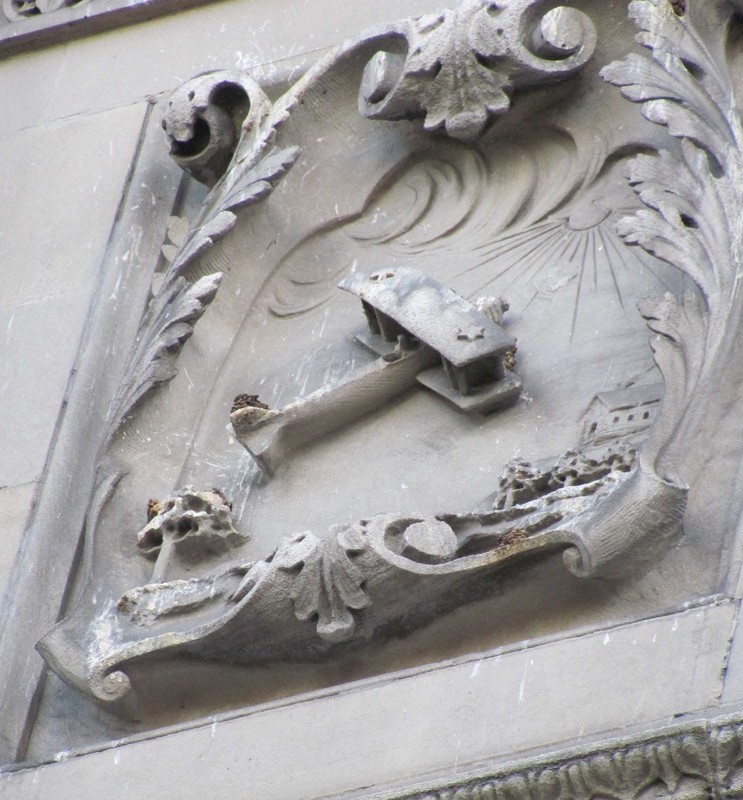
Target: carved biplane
(422, 332)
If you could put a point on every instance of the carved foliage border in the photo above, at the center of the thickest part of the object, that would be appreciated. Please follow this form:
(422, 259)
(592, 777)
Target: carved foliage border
(702, 759)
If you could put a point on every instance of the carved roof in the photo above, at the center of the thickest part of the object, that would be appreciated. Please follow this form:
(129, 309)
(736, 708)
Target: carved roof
(631, 397)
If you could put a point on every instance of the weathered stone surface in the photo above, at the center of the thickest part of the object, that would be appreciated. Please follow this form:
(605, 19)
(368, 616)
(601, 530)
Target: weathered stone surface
(415, 508)
(15, 502)
(606, 516)
(49, 266)
(50, 544)
(441, 720)
(151, 58)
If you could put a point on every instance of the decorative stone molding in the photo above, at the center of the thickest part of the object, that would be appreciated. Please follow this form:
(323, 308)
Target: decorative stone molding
(697, 760)
(461, 66)
(29, 24)
(701, 758)
(206, 118)
(22, 9)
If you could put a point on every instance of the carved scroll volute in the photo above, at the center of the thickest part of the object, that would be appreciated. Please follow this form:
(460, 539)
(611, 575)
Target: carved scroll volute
(206, 119)
(460, 67)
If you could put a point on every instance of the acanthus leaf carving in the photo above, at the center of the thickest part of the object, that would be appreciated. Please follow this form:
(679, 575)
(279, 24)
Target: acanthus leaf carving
(259, 181)
(239, 190)
(177, 306)
(166, 326)
(462, 66)
(220, 127)
(693, 200)
(693, 204)
(679, 326)
(329, 584)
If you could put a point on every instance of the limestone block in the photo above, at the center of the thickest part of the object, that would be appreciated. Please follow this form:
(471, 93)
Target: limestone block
(16, 504)
(66, 181)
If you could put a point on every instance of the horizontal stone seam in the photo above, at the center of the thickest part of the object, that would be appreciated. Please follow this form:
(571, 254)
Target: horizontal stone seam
(706, 753)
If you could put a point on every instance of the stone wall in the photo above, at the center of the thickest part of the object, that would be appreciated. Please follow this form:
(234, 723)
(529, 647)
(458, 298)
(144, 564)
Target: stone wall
(614, 672)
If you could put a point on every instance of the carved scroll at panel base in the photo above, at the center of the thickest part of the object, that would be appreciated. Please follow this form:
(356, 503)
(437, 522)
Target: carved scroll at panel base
(315, 598)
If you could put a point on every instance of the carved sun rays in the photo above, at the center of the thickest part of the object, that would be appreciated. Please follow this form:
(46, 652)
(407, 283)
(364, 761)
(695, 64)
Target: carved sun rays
(580, 253)
(533, 221)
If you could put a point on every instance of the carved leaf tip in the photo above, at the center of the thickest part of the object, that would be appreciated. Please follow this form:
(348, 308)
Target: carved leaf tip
(205, 289)
(201, 240)
(259, 181)
(328, 585)
(243, 186)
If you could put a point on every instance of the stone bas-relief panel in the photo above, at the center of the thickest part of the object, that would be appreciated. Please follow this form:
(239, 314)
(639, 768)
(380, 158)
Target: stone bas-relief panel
(477, 424)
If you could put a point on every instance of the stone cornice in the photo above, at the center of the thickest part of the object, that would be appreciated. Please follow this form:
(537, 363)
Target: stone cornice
(25, 33)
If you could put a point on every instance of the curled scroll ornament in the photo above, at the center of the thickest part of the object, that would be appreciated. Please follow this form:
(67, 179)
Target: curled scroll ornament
(460, 67)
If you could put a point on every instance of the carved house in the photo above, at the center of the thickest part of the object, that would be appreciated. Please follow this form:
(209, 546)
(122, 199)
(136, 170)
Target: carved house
(621, 414)
(265, 540)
